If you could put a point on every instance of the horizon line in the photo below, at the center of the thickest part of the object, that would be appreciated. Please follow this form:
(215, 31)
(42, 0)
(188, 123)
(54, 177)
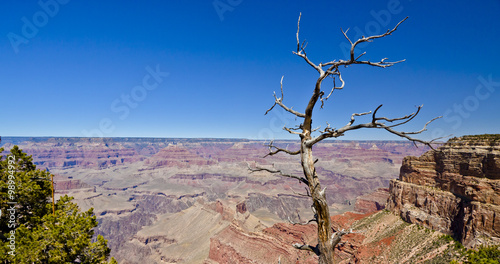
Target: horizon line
(206, 138)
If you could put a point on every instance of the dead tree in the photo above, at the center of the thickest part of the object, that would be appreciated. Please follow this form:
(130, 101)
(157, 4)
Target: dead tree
(328, 238)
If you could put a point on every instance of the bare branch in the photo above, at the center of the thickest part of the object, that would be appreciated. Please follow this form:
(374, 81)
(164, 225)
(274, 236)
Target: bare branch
(433, 141)
(341, 80)
(345, 35)
(322, 192)
(305, 195)
(405, 134)
(337, 236)
(352, 60)
(328, 127)
(382, 63)
(279, 101)
(333, 133)
(281, 86)
(301, 48)
(307, 247)
(357, 114)
(269, 110)
(297, 127)
(360, 55)
(297, 34)
(315, 219)
(280, 172)
(289, 130)
(374, 113)
(316, 129)
(424, 128)
(326, 98)
(407, 118)
(278, 149)
(334, 86)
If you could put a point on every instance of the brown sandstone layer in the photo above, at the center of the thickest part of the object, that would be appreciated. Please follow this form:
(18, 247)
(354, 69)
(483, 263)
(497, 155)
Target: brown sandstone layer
(455, 189)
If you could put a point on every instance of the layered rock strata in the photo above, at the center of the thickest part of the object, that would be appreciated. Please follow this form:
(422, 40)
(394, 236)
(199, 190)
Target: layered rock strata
(372, 202)
(455, 189)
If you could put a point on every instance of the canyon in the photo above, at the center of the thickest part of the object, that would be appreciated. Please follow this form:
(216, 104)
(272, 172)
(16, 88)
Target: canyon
(160, 200)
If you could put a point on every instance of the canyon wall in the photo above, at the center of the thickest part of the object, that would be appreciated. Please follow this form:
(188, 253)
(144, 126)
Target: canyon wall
(455, 189)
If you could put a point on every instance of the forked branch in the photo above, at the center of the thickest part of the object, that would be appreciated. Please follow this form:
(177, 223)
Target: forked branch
(315, 219)
(278, 150)
(307, 247)
(301, 48)
(335, 87)
(382, 63)
(280, 172)
(279, 101)
(292, 130)
(376, 122)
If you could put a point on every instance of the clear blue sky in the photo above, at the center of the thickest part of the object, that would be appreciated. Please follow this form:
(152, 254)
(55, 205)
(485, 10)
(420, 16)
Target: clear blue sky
(76, 68)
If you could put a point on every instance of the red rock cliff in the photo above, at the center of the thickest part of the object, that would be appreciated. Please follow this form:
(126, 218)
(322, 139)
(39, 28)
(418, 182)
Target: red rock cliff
(455, 189)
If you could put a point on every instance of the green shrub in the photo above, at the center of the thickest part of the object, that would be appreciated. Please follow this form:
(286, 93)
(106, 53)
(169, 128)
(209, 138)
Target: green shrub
(484, 255)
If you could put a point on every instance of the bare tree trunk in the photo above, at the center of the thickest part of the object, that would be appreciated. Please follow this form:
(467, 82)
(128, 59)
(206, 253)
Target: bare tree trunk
(320, 205)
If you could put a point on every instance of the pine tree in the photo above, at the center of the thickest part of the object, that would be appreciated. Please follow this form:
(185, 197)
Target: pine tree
(40, 235)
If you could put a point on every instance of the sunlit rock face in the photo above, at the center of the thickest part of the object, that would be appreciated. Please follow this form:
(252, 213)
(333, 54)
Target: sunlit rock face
(455, 189)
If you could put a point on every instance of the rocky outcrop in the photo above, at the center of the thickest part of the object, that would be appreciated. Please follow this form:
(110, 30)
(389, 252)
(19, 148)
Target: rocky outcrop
(372, 202)
(455, 189)
(234, 245)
